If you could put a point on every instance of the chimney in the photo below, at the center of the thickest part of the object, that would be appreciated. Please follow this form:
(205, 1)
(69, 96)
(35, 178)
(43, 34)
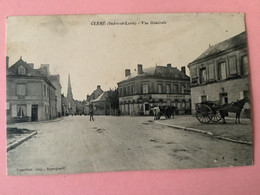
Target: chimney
(31, 65)
(7, 62)
(98, 87)
(127, 72)
(183, 69)
(169, 65)
(139, 68)
(46, 67)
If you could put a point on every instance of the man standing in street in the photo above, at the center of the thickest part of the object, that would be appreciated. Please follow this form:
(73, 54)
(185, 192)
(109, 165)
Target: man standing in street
(91, 110)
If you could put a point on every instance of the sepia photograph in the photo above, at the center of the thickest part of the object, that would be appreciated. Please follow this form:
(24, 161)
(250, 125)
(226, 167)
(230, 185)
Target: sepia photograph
(127, 92)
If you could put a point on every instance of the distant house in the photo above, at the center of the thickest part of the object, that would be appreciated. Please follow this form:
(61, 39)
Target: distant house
(221, 72)
(101, 104)
(96, 93)
(30, 96)
(155, 86)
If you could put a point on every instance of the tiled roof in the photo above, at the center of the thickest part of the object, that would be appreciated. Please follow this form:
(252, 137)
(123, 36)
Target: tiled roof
(223, 46)
(158, 71)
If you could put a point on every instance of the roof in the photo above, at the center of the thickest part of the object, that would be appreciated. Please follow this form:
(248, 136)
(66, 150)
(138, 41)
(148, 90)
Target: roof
(96, 93)
(158, 71)
(13, 70)
(101, 97)
(231, 43)
(29, 71)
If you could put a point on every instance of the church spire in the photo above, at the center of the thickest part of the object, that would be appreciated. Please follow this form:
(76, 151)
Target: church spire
(69, 92)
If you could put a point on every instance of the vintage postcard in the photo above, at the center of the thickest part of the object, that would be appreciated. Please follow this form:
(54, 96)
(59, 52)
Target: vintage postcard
(127, 92)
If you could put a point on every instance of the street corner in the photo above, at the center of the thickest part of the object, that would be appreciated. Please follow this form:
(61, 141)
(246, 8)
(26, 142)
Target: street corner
(16, 136)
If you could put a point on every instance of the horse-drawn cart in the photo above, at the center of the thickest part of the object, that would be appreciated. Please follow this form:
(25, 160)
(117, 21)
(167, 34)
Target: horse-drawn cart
(213, 111)
(208, 111)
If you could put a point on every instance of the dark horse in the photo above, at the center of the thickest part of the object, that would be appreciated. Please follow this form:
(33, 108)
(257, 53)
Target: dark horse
(235, 107)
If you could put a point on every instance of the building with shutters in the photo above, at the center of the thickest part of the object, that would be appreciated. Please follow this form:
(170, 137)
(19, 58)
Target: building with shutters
(155, 86)
(30, 96)
(221, 73)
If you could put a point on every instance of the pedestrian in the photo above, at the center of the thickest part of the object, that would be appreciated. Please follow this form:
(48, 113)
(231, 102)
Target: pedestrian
(156, 111)
(91, 111)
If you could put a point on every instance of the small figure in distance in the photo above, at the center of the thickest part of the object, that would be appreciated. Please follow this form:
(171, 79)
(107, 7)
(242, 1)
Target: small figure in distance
(91, 111)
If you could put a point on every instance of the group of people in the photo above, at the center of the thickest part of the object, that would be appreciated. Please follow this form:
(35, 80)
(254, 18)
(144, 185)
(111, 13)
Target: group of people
(167, 111)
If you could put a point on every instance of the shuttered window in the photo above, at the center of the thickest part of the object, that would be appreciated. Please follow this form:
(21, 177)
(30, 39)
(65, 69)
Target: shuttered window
(232, 62)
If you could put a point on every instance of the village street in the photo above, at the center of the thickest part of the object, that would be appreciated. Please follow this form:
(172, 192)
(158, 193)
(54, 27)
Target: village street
(74, 145)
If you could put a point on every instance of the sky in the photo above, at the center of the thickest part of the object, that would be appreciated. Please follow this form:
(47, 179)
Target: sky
(94, 52)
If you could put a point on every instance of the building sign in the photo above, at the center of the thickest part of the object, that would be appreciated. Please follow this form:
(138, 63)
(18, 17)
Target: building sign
(128, 98)
(175, 96)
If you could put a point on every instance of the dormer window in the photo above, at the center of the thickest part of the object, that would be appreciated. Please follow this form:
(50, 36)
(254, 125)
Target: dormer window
(21, 70)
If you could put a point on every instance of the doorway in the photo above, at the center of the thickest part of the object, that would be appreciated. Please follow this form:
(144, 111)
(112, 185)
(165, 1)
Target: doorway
(34, 112)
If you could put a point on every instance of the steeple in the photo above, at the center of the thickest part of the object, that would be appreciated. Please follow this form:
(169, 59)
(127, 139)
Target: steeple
(69, 91)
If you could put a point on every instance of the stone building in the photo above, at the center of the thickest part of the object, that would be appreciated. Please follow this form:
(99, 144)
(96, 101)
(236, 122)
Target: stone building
(55, 80)
(154, 86)
(221, 72)
(30, 96)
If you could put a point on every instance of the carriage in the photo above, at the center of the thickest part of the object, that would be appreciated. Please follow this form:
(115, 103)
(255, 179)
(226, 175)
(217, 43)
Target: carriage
(208, 111)
(212, 111)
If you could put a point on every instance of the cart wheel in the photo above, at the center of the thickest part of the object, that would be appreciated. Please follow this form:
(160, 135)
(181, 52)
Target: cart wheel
(215, 117)
(204, 113)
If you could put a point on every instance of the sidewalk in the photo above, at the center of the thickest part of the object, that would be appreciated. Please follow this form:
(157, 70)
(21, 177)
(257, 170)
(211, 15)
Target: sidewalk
(240, 133)
(17, 133)
(16, 136)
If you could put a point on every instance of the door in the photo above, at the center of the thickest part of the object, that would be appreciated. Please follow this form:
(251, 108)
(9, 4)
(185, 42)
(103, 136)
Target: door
(34, 112)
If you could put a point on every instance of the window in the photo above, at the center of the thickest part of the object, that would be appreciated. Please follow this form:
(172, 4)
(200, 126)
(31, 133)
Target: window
(145, 89)
(183, 89)
(124, 91)
(21, 89)
(194, 75)
(168, 88)
(21, 70)
(244, 65)
(232, 62)
(120, 92)
(160, 88)
(211, 72)
(203, 98)
(175, 88)
(244, 94)
(222, 71)
(128, 90)
(183, 105)
(21, 111)
(223, 98)
(146, 107)
(133, 89)
(203, 77)
(44, 91)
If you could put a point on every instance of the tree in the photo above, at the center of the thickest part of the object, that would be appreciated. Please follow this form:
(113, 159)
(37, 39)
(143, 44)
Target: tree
(113, 99)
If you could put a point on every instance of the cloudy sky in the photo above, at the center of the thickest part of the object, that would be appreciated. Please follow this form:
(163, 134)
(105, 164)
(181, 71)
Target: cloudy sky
(98, 54)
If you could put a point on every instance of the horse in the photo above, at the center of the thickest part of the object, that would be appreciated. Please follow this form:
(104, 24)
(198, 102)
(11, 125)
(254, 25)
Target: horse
(156, 111)
(234, 107)
(159, 111)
